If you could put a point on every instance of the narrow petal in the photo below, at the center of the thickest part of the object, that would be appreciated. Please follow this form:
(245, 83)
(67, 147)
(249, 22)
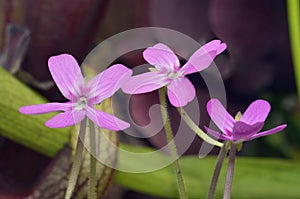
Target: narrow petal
(65, 119)
(215, 45)
(45, 108)
(220, 116)
(203, 57)
(66, 74)
(181, 91)
(105, 84)
(105, 120)
(217, 135)
(162, 57)
(197, 62)
(145, 83)
(243, 131)
(269, 132)
(257, 112)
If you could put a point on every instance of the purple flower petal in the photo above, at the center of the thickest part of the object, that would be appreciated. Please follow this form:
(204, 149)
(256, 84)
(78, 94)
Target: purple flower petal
(162, 57)
(269, 132)
(196, 64)
(105, 120)
(65, 119)
(105, 84)
(220, 116)
(257, 112)
(145, 83)
(181, 91)
(66, 74)
(45, 108)
(203, 57)
(215, 45)
(217, 135)
(243, 131)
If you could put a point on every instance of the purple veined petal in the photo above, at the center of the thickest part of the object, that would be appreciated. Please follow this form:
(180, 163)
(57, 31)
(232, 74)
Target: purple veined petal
(220, 116)
(105, 120)
(203, 57)
(162, 57)
(257, 112)
(65, 119)
(269, 132)
(108, 82)
(216, 134)
(181, 91)
(67, 75)
(145, 83)
(243, 131)
(45, 108)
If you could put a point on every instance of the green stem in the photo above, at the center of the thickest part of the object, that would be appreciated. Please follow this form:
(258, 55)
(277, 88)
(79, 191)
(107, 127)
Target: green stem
(196, 129)
(230, 171)
(214, 181)
(172, 145)
(92, 194)
(294, 29)
(77, 160)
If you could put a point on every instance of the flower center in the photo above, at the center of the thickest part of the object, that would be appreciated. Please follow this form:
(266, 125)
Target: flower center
(238, 116)
(174, 75)
(81, 103)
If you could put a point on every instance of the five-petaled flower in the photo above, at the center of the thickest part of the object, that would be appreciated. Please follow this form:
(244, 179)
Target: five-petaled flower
(69, 79)
(167, 72)
(246, 128)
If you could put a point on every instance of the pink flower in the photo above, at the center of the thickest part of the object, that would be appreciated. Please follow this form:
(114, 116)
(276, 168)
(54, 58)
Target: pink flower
(68, 78)
(244, 129)
(167, 72)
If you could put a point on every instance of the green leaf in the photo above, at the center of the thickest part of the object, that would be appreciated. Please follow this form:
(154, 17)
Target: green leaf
(27, 130)
(253, 178)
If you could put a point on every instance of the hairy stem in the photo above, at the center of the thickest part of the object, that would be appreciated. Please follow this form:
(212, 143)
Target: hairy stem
(77, 160)
(214, 181)
(92, 194)
(230, 171)
(196, 129)
(172, 146)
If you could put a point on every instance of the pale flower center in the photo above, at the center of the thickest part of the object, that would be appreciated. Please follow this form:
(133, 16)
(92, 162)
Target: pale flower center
(81, 103)
(174, 75)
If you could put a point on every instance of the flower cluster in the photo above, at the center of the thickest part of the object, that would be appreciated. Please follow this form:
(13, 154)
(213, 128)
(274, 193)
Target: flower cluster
(166, 72)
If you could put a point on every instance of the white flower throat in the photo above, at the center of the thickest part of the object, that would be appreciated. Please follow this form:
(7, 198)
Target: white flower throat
(174, 75)
(81, 103)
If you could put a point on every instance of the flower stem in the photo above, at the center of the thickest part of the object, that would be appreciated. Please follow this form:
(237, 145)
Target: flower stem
(92, 194)
(77, 160)
(172, 146)
(230, 171)
(196, 129)
(294, 30)
(214, 181)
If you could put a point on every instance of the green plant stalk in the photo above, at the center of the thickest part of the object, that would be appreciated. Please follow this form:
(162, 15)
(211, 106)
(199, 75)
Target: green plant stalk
(230, 171)
(293, 7)
(172, 145)
(217, 170)
(27, 130)
(92, 194)
(196, 129)
(77, 160)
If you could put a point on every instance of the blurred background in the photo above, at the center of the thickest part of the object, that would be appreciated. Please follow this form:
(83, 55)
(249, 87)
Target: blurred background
(256, 64)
